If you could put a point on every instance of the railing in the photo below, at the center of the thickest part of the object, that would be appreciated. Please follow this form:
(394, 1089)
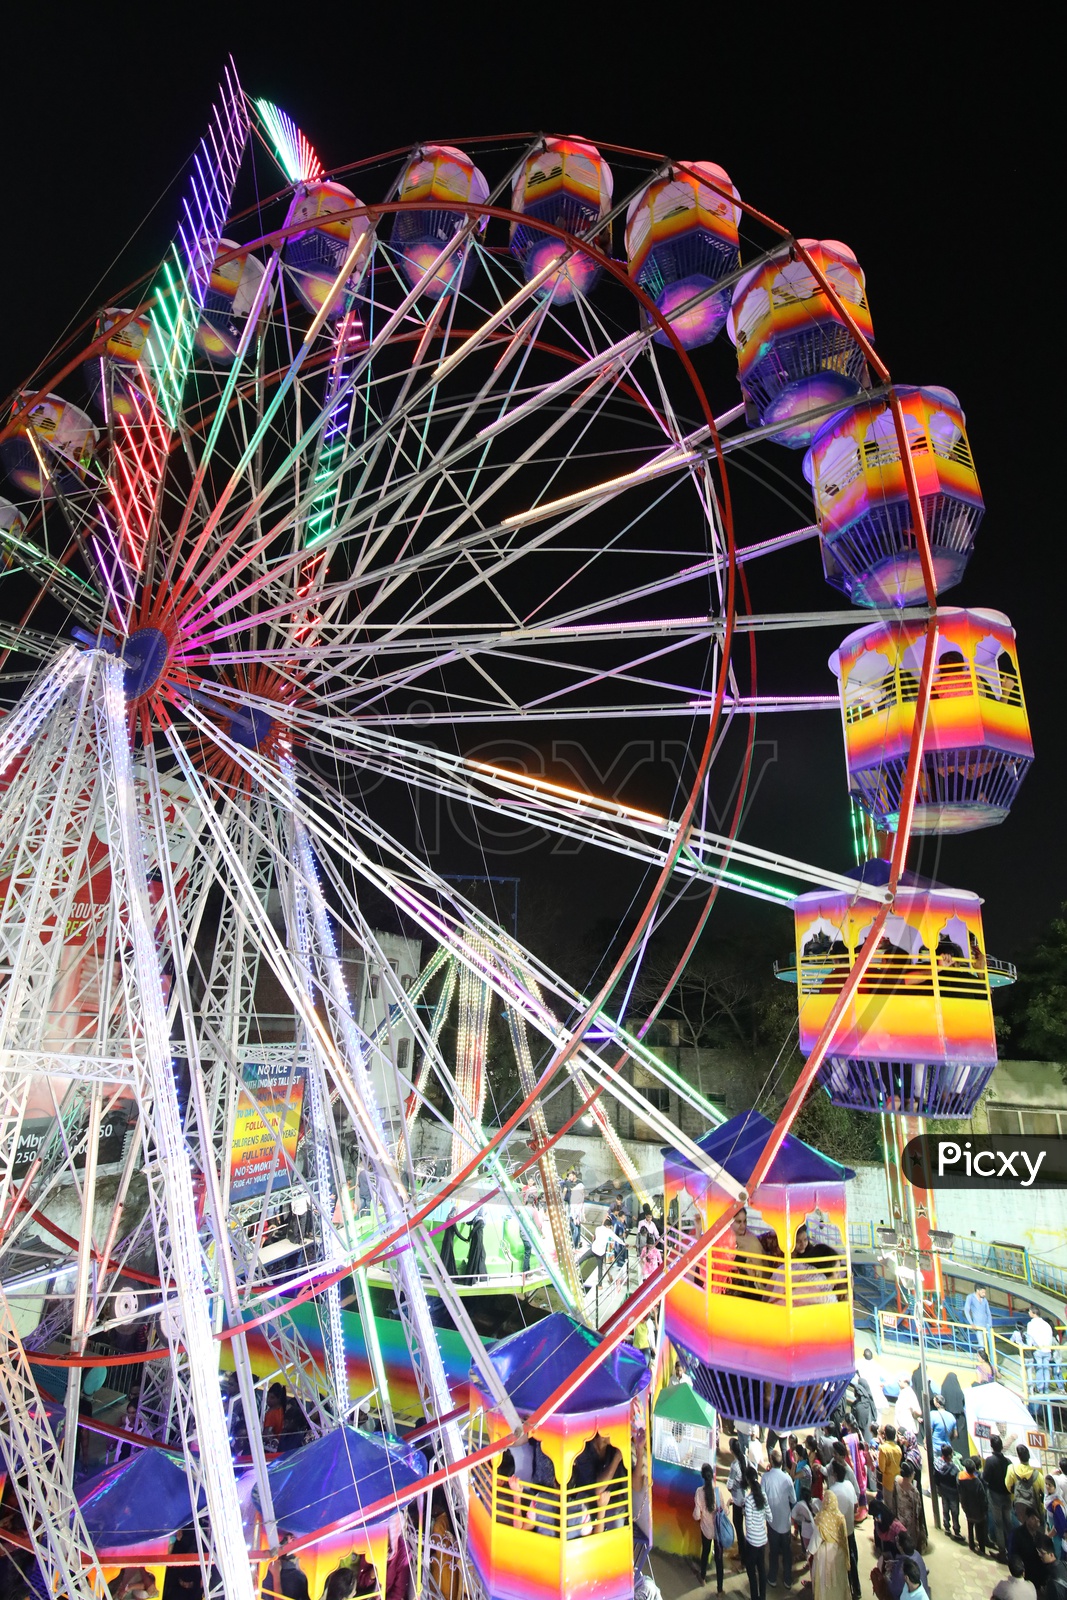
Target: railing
(776, 1279)
(546, 1509)
(1003, 1260)
(952, 680)
(1032, 1372)
(895, 972)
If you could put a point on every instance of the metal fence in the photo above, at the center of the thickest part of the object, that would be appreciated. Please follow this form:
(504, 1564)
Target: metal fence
(1014, 1262)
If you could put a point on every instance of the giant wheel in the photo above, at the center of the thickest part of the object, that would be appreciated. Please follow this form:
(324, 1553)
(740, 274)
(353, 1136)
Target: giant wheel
(378, 473)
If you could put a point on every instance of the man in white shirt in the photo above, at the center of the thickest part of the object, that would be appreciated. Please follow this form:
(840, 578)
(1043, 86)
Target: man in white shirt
(780, 1495)
(907, 1416)
(846, 1497)
(1039, 1334)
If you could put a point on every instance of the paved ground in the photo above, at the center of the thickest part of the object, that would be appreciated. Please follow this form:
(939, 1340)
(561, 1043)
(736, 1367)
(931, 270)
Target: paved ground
(955, 1574)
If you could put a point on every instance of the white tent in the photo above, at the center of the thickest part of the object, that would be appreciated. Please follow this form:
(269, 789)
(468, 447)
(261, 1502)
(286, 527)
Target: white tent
(991, 1408)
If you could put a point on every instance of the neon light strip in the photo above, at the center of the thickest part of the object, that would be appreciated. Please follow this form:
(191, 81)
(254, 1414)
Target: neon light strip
(180, 290)
(293, 150)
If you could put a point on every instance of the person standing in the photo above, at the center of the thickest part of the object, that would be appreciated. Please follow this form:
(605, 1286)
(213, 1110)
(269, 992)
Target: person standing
(975, 1503)
(735, 1488)
(869, 1370)
(942, 1425)
(1056, 1516)
(708, 1503)
(780, 1495)
(602, 1243)
(845, 1495)
(577, 1210)
(1039, 1336)
(908, 1504)
(1055, 1572)
(1025, 1485)
(994, 1476)
(914, 1587)
(947, 1487)
(829, 1569)
(1015, 1586)
(756, 1535)
(889, 1459)
(978, 1315)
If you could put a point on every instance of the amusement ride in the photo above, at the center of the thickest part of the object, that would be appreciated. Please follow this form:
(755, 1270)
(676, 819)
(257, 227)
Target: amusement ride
(377, 456)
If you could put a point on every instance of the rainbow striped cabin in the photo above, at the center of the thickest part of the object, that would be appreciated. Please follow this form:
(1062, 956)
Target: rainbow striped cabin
(976, 747)
(569, 184)
(770, 1329)
(52, 446)
(332, 1480)
(235, 279)
(118, 377)
(861, 503)
(795, 351)
(681, 239)
(315, 256)
(917, 1038)
(437, 175)
(542, 1531)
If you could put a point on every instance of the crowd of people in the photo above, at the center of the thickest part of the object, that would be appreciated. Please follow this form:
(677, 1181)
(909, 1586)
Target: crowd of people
(800, 1507)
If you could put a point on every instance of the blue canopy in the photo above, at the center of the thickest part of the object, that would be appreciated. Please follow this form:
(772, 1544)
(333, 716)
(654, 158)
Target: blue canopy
(337, 1475)
(138, 1501)
(533, 1363)
(738, 1144)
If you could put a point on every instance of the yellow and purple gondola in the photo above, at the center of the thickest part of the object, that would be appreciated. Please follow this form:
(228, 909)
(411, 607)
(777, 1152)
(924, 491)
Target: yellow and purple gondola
(236, 276)
(568, 184)
(118, 377)
(681, 239)
(51, 448)
(976, 743)
(854, 466)
(315, 256)
(542, 1531)
(796, 353)
(769, 1329)
(916, 1039)
(436, 178)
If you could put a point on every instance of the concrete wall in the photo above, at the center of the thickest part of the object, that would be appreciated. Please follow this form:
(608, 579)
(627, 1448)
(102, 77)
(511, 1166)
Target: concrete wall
(1036, 1219)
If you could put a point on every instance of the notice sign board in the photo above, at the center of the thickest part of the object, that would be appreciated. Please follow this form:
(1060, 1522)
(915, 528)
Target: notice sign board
(270, 1103)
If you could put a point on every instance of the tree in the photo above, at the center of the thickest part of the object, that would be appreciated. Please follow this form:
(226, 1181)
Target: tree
(1035, 1014)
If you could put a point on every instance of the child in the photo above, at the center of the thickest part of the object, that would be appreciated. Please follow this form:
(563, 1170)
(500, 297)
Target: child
(651, 1261)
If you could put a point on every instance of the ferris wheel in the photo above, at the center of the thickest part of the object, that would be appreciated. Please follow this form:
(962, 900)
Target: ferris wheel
(348, 478)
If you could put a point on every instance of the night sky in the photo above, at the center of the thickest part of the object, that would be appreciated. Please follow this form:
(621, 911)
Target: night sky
(920, 147)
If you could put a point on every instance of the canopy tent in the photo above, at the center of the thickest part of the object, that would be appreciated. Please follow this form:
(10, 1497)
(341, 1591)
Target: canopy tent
(680, 1402)
(139, 1503)
(337, 1475)
(992, 1408)
(737, 1145)
(532, 1364)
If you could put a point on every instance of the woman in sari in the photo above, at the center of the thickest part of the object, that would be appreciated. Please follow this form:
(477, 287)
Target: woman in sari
(829, 1570)
(908, 1504)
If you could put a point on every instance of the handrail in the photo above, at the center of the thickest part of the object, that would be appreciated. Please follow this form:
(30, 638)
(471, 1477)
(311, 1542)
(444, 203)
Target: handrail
(1033, 1372)
(1003, 1260)
(780, 1280)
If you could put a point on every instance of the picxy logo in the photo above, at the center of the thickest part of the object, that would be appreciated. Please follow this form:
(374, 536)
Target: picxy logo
(985, 1161)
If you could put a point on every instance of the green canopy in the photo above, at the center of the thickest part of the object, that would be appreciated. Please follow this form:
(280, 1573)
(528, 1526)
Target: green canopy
(680, 1402)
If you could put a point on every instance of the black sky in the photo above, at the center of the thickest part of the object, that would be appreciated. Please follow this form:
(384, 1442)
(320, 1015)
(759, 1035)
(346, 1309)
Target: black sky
(918, 140)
